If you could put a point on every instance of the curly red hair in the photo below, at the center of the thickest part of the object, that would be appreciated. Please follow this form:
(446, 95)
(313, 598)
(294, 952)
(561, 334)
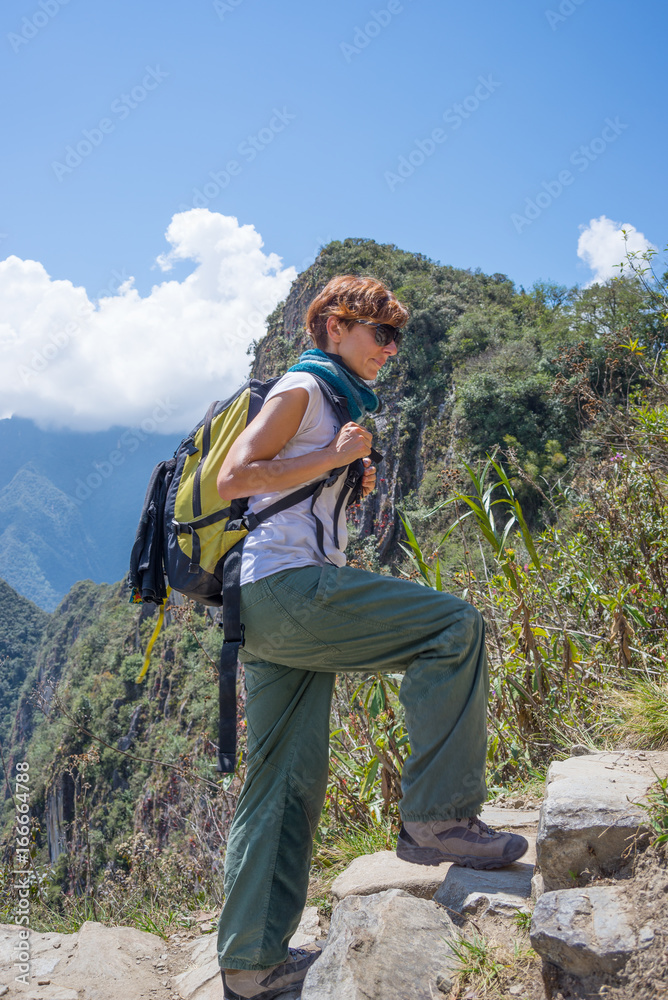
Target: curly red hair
(352, 298)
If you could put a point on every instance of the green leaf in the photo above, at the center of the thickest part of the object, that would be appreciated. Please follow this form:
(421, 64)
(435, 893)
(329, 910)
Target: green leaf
(439, 582)
(519, 688)
(378, 701)
(370, 777)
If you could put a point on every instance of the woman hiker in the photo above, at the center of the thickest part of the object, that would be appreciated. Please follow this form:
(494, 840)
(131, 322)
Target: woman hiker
(307, 615)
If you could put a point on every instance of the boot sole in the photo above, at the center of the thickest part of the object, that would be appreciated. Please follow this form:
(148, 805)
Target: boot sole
(432, 856)
(229, 994)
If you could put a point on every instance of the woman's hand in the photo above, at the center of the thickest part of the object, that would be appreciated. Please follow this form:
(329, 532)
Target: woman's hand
(369, 478)
(352, 442)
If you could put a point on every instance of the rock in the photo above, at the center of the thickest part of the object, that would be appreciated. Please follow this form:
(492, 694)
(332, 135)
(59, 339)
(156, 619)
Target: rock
(43, 959)
(373, 873)
(202, 980)
(108, 953)
(502, 892)
(388, 945)
(98, 962)
(587, 931)
(51, 993)
(509, 819)
(589, 816)
(537, 886)
(308, 931)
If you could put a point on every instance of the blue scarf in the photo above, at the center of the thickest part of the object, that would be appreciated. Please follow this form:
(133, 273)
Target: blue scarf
(334, 370)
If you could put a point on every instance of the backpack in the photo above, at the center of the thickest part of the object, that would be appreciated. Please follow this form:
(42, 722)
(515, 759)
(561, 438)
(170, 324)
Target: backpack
(190, 540)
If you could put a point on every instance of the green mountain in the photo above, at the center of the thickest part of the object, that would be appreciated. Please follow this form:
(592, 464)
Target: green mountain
(44, 544)
(482, 365)
(22, 626)
(71, 522)
(82, 717)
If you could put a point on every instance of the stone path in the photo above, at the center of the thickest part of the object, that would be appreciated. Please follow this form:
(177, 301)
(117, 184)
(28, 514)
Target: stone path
(121, 963)
(117, 963)
(587, 929)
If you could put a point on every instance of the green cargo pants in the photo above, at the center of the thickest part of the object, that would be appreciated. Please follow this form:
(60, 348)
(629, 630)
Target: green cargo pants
(302, 626)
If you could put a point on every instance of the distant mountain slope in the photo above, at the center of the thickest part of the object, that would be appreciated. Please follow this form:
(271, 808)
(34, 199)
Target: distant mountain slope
(44, 547)
(22, 626)
(76, 483)
(90, 653)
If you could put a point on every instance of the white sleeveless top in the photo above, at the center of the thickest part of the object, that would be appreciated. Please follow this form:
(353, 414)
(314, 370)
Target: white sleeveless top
(288, 540)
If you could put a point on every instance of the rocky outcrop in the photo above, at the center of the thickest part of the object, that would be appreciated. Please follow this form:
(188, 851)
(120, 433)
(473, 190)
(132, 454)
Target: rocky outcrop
(58, 813)
(609, 931)
(97, 962)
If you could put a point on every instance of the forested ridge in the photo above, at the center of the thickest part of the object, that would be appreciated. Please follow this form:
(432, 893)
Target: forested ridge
(526, 443)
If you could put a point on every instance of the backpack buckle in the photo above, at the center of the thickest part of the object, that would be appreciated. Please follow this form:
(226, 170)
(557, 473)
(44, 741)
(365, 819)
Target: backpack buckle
(242, 640)
(250, 520)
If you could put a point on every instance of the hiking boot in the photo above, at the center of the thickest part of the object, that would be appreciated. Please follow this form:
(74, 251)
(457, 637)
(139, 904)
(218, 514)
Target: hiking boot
(467, 842)
(266, 984)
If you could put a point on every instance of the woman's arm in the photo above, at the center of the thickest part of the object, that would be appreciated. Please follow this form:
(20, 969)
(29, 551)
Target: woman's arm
(250, 468)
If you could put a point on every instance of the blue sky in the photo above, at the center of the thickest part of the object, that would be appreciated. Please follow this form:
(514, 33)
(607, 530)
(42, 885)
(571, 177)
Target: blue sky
(171, 167)
(348, 117)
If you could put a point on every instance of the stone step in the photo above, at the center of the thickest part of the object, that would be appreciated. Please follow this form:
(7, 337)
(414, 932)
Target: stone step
(389, 946)
(502, 892)
(516, 820)
(371, 873)
(588, 931)
(592, 811)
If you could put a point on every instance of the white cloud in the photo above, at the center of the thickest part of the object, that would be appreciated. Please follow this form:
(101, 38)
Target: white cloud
(65, 362)
(601, 247)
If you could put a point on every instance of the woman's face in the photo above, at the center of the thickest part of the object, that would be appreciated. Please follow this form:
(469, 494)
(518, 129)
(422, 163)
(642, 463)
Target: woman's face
(356, 345)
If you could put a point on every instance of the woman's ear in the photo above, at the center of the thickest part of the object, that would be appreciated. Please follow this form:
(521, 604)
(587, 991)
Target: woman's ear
(333, 328)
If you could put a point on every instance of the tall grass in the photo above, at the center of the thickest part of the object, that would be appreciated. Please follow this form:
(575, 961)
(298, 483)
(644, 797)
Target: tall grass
(577, 613)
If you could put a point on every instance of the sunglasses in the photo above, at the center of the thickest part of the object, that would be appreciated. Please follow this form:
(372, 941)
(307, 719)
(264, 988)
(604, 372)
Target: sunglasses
(385, 333)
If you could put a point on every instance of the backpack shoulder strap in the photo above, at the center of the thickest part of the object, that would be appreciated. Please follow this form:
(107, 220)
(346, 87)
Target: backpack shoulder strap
(337, 400)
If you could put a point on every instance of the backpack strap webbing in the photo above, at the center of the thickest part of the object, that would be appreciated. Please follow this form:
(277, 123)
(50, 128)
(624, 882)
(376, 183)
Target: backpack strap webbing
(229, 653)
